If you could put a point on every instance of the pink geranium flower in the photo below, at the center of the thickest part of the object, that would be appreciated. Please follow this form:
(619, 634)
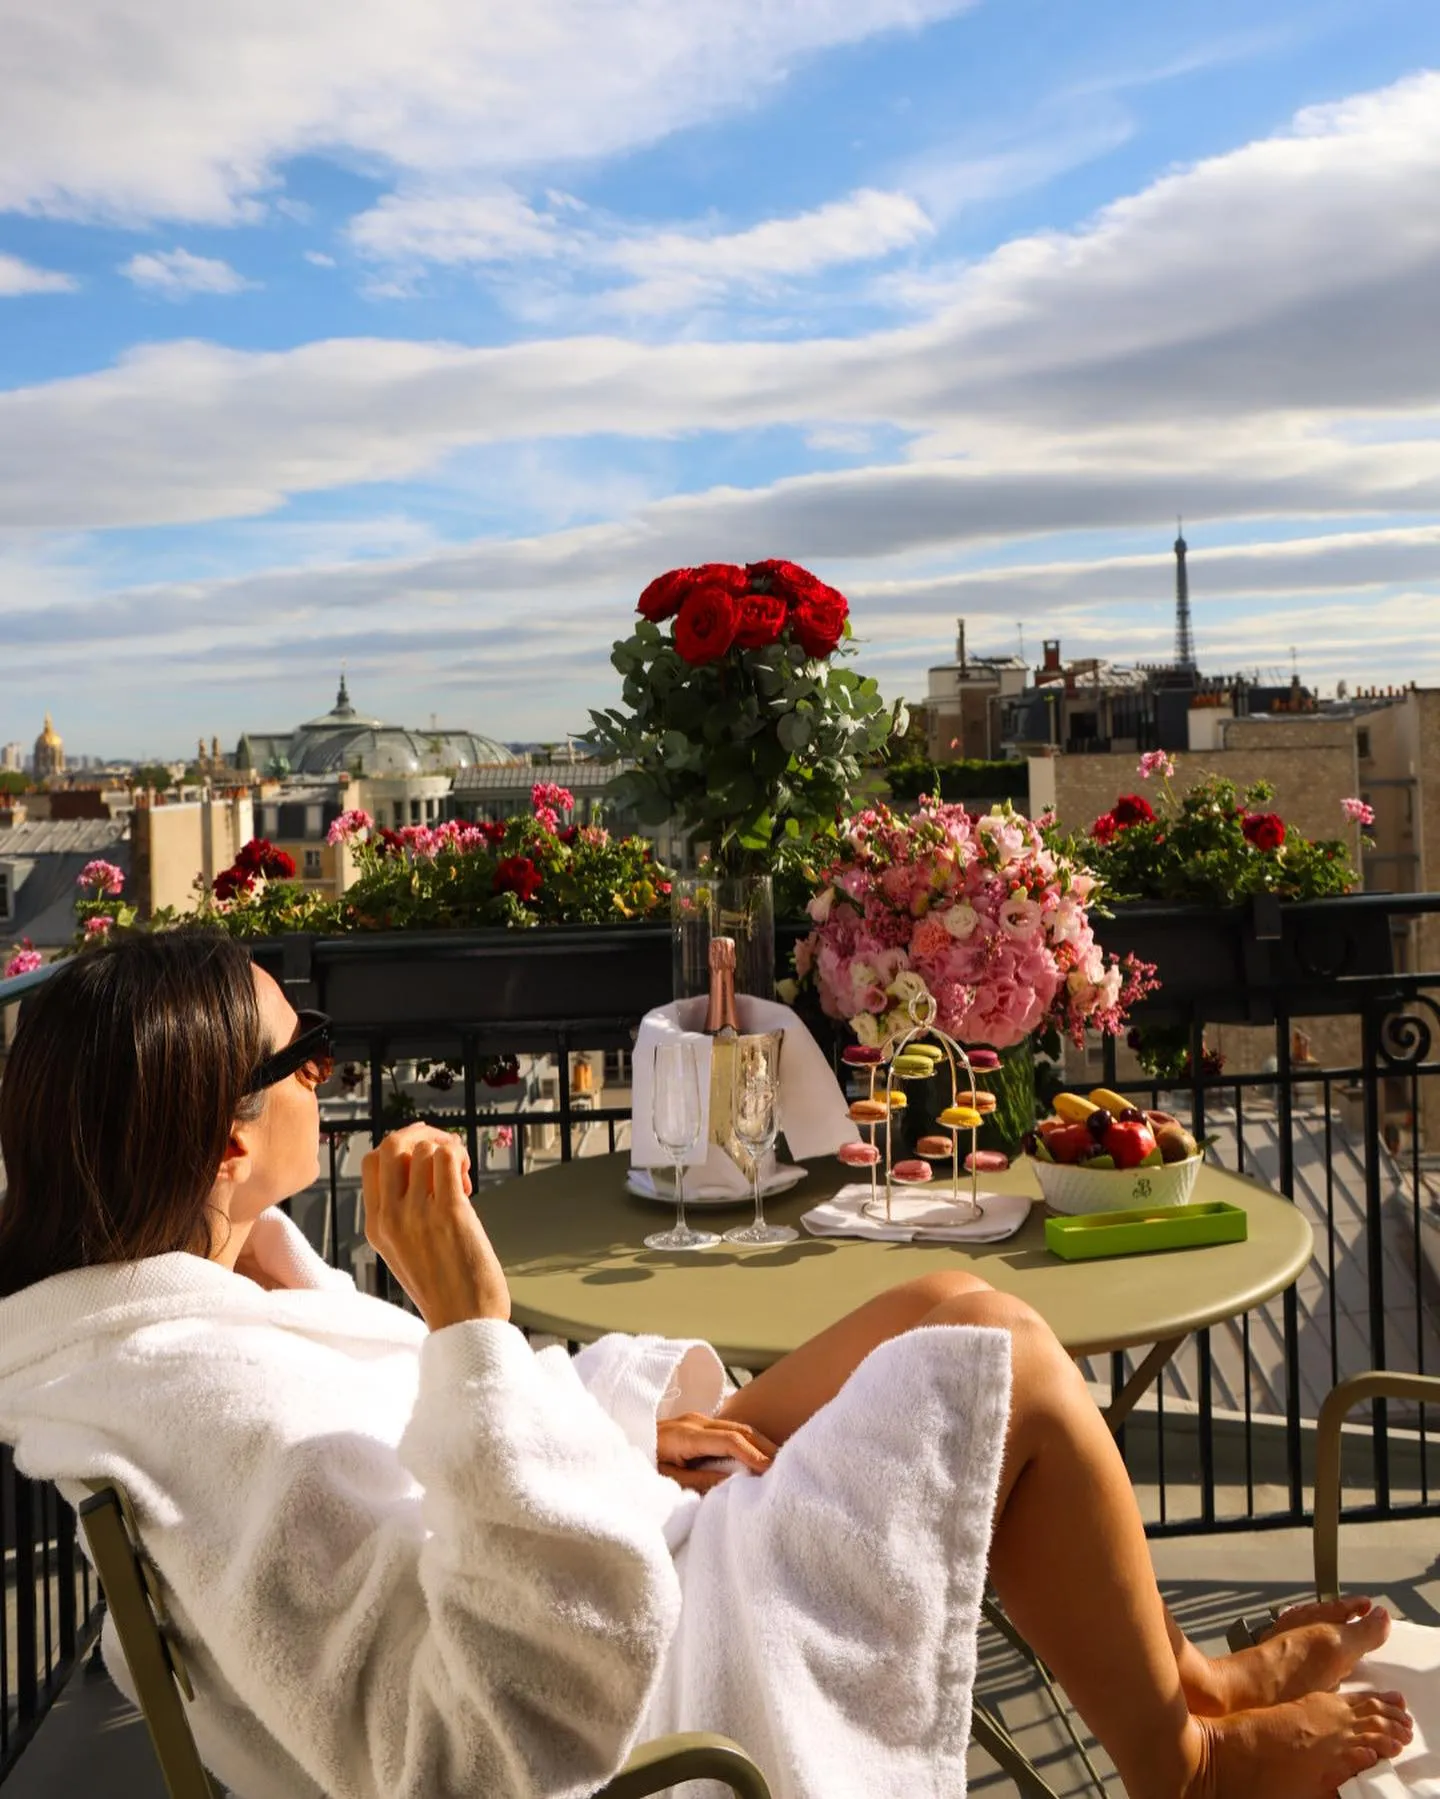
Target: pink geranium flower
(99, 925)
(1358, 811)
(349, 825)
(104, 877)
(24, 961)
(1155, 762)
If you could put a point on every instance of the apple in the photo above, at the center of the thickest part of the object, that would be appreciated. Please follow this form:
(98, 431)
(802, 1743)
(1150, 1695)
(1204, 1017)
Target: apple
(1130, 1144)
(1069, 1143)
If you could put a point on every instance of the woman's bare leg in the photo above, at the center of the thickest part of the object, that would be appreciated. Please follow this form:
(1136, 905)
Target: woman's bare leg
(1070, 1562)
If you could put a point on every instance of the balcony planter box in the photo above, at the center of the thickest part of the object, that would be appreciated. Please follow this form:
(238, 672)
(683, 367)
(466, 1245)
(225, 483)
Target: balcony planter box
(604, 976)
(1232, 964)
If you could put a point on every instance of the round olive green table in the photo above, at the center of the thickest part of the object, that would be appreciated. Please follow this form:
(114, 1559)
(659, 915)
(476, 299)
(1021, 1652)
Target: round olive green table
(570, 1241)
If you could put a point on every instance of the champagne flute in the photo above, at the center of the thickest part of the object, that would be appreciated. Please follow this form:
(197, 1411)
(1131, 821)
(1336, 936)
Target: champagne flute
(676, 1117)
(757, 1100)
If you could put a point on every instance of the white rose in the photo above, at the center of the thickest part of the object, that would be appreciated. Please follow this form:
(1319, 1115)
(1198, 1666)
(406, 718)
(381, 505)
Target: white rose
(906, 986)
(960, 920)
(787, 992)
(866, 1027)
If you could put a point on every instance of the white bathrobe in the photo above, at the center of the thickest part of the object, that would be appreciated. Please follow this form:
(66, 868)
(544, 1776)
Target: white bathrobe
(410, 1566)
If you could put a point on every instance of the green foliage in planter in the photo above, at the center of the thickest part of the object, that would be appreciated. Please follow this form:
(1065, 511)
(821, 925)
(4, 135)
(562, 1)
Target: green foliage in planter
(1212, 846)
(518, 875)
(971, 779)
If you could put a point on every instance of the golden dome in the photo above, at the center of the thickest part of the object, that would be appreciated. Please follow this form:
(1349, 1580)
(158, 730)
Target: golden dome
(50, 735)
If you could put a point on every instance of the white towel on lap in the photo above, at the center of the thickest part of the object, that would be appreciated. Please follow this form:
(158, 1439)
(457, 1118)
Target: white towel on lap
(849, 1667)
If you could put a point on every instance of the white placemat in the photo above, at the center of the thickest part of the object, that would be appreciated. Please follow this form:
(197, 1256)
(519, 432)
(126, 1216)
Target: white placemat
(918, 1216)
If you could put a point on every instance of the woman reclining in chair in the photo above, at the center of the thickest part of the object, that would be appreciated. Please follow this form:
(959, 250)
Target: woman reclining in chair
(418, 1559)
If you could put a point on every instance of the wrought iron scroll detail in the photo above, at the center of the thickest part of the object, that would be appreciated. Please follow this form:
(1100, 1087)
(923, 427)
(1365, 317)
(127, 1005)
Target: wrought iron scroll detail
(1405, 1037)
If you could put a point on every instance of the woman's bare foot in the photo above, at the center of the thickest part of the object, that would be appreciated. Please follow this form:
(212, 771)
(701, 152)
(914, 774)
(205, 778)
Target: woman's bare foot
(1302, 1750)
(1311, 1655)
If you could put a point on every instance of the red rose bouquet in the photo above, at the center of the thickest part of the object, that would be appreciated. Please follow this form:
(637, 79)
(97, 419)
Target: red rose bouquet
(740, 725)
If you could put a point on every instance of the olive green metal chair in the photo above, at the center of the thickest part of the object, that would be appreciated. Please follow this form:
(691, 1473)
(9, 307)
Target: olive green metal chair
(162, 1681)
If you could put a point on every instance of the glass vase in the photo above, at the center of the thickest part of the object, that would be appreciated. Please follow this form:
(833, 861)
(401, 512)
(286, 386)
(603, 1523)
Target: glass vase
(738, 906)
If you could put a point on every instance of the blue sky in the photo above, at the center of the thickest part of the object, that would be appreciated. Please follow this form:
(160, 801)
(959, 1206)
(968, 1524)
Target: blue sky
(422, 336)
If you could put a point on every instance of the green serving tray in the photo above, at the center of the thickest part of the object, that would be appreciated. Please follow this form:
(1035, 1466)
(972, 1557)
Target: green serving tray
(1136, 1233)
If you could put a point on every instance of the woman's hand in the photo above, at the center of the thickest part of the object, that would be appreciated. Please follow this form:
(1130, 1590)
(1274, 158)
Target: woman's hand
(418, 1216)
(693, 1437)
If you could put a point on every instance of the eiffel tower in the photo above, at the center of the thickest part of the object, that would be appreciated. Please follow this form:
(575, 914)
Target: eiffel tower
(1184, 640)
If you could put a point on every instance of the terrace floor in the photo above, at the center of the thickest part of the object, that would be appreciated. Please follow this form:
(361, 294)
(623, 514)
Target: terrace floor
(92, 1743)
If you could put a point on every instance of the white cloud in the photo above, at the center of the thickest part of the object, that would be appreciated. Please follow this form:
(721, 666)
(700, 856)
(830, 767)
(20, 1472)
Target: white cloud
(1271, 311)
(197, 116)
(662, 270)
(18, 277)
(320, 258)
(498, 226)
(177, 273)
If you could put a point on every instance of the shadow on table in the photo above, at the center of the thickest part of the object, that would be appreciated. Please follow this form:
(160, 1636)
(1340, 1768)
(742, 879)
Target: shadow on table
(650, 1261)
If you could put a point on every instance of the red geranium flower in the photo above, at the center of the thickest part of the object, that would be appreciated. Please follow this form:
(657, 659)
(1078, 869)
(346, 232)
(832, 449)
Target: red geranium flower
(1105, 828)
(762, 619)
(1265, 830)
(661, 599)
(230, 883)
(1133, 809)
(260, 857)
(819, 620)
(705, 628)
(518, 874)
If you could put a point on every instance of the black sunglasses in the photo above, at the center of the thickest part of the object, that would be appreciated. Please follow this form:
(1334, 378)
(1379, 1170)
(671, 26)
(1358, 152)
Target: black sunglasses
(307, 1053)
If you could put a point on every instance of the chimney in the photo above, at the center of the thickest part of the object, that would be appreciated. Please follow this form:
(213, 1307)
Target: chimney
(960, 644)
(1052, 656)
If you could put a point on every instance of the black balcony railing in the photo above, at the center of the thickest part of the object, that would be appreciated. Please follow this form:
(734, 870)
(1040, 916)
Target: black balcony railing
(437, 1027)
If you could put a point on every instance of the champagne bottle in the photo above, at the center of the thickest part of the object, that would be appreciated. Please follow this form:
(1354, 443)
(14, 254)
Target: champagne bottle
(720, 1022)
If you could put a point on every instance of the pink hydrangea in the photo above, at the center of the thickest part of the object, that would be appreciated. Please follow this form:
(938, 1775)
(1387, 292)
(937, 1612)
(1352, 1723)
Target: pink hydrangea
(349, 826)
(1155, 762)
(104, 877)
(24, 961)
(1358, 811)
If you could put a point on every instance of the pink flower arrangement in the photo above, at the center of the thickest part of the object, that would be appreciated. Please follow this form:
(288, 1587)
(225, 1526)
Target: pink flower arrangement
(978, 913)
(107, 880)
(25, 961)
(350, 825)
(1359, 812)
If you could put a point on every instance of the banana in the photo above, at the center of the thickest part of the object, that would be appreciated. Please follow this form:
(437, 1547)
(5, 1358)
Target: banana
(1073, 1107)
(1114, 1103)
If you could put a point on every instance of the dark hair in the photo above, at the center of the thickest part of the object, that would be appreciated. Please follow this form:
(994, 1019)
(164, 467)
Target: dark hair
(128, 1071)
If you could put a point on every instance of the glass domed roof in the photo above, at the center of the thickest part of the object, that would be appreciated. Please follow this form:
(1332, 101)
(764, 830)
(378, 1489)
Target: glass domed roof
(344, 740)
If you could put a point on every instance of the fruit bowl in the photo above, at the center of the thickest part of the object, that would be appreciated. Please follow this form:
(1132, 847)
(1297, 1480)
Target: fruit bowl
(1073, 1188)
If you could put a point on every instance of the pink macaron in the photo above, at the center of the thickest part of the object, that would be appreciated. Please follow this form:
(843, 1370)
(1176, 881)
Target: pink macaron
(986, 1161)
(858, 1155)
(912, 1173)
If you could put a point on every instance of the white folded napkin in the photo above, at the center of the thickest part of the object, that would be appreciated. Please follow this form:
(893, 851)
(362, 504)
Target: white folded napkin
(917, 1215)
(1407, 1662)
(813, 1116)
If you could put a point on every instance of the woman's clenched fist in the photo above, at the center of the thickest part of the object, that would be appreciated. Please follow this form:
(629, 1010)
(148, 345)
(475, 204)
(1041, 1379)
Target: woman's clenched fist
(418, 1217)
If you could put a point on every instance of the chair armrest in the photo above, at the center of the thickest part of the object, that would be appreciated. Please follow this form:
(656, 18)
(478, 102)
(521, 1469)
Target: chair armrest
(695, 1755)
(1379, 1383)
